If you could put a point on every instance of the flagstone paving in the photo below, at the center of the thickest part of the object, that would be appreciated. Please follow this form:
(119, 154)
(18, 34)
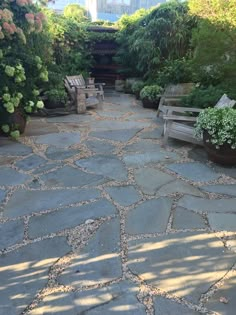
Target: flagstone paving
(97, 217)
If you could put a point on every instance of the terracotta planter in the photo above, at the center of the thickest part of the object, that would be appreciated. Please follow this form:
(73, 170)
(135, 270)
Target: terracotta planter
(225, 155)
(150, 104)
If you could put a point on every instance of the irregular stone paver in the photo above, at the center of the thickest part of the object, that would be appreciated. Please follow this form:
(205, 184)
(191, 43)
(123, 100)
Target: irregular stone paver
(100, 147)
(154, 134)
(221, 189)
(227, 291)
(11, 232)
(10, 177)
(13, 148)
(164, 306)
(113, 114)
(206, 205)
(30, 162)
(71, 119)
(141, 159)
(197, 172)
(118, 125)
(116, 298)
(142, 146)
(99, 261)
(69, 217)
(149, 217)
(46, 167)
(124, 195)
(2, 195)
(62, 140)
(179, 186)
(115, 135)
(37, 127)
(150, 179)
(143, 115)
(183, 264)
(68, 176)
(184, 219)
(106, 165)
(24, 202)
(222, 221)
(24, 272)
(55, 153)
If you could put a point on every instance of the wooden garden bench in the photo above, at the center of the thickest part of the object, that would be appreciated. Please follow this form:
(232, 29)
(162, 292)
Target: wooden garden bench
(179, 125)
(173, 94)
(82, 94)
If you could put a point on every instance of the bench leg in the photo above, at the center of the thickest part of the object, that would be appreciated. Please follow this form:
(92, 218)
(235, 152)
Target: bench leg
(80, 101)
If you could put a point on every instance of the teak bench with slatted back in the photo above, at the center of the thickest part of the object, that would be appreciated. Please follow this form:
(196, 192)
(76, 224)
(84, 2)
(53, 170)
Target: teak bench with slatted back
(82, 94)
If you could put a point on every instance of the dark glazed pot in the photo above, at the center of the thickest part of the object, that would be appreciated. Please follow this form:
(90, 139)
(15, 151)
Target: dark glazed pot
(150, 104)
(225, 155)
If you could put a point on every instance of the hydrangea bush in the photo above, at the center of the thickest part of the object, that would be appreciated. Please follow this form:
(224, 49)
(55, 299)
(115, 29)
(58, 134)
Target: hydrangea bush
(22, 73)
(220, 124)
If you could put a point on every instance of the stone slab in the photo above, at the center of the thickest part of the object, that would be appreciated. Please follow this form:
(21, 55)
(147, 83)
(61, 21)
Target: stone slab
(2, 195)
(68, 176)
(116, 298)
(30, 162)
(71, 119)
(100, 147)
(61, 140)
(13, 148)
(185, 219)
(227, 291)
(111, 114)
(124, 195)
(25, 202)
(143, 146)
(46, 167)
(222, 221)
(207, 205)
(11, 232)
(149, 217)
(153, 134)
(115, 135)
(141, 159)
(10, 177)
(143, 115)
(37, 127)
(98, 262)
(179, 186)
(183, 264)
(55, 153)
(107, 165)
(67, 218)
(225, 189)
(150, 179)
(24, 273)
(164, 306)
(197, 172)
(118, 125)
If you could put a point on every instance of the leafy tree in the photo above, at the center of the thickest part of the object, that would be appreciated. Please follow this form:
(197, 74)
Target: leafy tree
(75, 12)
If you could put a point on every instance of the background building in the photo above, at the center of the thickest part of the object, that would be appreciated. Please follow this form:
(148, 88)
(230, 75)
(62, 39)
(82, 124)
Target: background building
(109, 10)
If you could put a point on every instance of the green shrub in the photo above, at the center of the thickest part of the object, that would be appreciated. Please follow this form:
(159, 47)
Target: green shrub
(137, 86)
(57, 95)
(203, 97)
(220, 124)
(151, 92)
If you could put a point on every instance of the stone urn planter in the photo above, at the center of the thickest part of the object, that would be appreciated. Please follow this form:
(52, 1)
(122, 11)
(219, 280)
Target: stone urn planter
(225, 155)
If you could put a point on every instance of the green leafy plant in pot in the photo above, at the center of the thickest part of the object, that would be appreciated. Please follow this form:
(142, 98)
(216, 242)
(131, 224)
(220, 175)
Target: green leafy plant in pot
(150, 96)
(137, 87)
(217, 127)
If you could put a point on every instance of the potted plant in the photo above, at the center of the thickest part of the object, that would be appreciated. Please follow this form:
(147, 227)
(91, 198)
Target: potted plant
(217, 127)
(150, 96)
(55, 98)
(136, 88)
